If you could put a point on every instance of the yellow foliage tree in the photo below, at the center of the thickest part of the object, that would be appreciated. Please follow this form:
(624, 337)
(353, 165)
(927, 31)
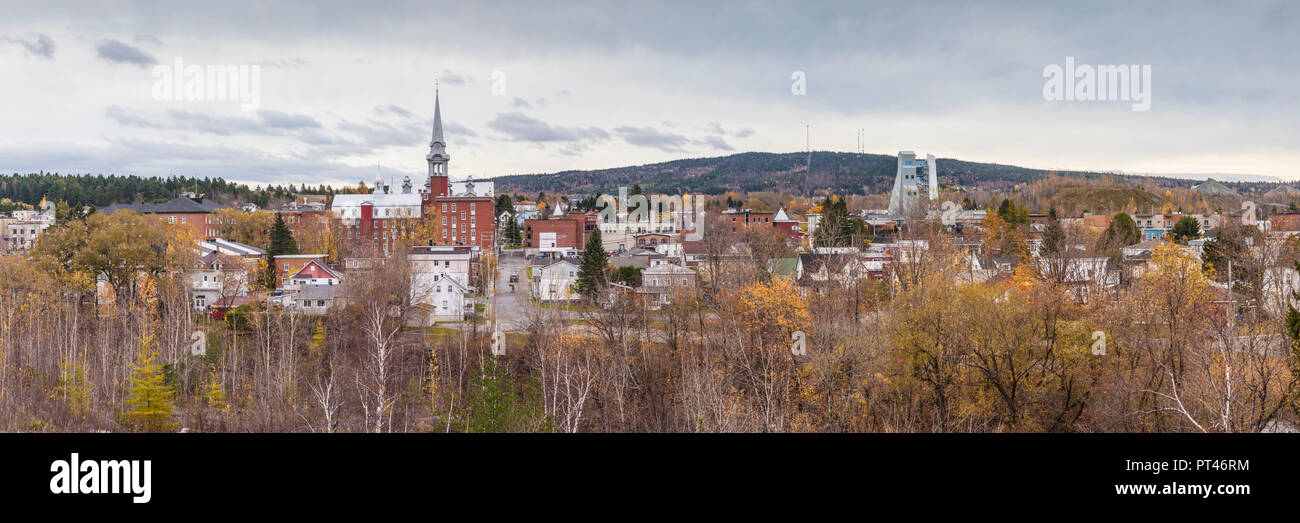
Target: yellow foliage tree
(150, 398)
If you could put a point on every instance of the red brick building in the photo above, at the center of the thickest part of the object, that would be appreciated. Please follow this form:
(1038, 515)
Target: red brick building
(786, 226)
(190, 210)
(556, 233)
(737, 221)
(464, 213)
(460, 213)
(782, 223)
(1285, 222)
(305, 214)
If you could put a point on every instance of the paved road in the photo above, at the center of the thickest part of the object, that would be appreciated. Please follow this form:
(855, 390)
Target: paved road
(510, 304)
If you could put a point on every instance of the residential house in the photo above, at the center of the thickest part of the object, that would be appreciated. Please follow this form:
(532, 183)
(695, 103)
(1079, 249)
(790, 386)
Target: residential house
(315, 272)
(556, 280)
(441, 277)
(313, 299)
(287, 265)
(660, 282)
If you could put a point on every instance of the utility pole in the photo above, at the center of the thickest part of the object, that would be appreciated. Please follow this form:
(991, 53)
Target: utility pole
(808, 144)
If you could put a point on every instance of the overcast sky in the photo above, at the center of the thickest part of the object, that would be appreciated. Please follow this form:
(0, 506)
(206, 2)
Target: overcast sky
(347, 85)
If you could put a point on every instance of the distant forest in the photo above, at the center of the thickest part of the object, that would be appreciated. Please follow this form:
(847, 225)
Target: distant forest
(790, 173)
(100, 190)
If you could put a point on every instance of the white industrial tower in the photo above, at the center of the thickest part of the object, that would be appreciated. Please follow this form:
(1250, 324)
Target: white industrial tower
(915, 184)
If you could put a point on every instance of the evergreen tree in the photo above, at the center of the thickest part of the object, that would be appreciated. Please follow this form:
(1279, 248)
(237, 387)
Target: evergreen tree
(1121, 232)
(504, 203)
(592, 274)
(1187, 228)
(837, 227)
(500, 405)
(513, 234)
(150, 398)
(282, 242)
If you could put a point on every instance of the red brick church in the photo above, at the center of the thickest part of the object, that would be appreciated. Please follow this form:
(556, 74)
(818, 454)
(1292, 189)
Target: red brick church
(464, 212)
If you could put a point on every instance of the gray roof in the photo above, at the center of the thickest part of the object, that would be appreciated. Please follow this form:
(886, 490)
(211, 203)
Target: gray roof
(317, 292)
(179, 205)
(667, 268)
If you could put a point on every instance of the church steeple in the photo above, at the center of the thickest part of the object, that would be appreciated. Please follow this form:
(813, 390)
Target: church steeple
(437, 146)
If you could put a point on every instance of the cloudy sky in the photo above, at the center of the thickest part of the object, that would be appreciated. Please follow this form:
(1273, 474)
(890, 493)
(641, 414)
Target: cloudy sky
(543, 87)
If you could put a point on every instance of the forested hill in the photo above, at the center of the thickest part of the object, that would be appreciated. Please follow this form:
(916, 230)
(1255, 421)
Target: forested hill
(100, 190)
(842, 173)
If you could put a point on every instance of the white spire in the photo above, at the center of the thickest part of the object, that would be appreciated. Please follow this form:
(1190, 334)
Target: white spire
(437, 122)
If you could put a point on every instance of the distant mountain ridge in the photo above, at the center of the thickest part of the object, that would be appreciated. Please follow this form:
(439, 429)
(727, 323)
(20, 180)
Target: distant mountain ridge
(841, 173)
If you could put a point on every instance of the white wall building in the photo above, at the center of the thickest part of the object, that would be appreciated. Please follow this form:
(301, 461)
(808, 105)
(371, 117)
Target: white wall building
(440, 279)
(915, 184)
(555, 282)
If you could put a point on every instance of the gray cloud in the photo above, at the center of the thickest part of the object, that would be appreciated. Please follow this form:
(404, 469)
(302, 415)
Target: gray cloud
(451, 78)
(520, 127)
(718, 143)
(967, 85)
(38, 45)
(454, 128)
(393, 109)
(268, 123)
(649, 137)
(717, 129)
(382, 134)
(521, 103)
(279, 120)
(123, 53)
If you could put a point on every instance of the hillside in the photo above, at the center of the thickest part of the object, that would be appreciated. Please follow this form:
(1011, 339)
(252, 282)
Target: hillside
(842, 173)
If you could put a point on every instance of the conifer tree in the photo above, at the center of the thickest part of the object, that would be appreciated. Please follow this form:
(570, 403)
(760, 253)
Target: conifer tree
(591, 273)
(282, 243)
(150, 399)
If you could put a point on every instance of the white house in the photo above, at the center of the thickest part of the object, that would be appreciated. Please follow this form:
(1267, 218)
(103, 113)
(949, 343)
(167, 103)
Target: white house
(440, 280)
(555, 282)
(662, 280)
(218, 276)
(313, 299)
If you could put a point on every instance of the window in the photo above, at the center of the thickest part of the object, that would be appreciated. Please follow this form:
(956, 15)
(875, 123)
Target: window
(320, 303)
